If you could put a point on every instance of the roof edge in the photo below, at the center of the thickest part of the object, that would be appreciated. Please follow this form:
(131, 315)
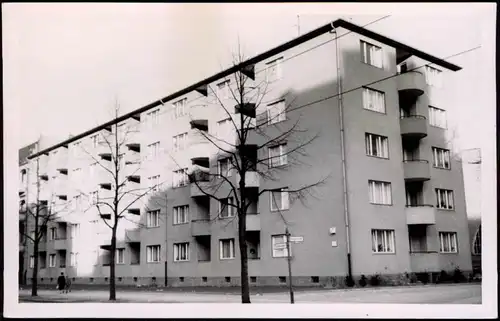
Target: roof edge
(267, 54)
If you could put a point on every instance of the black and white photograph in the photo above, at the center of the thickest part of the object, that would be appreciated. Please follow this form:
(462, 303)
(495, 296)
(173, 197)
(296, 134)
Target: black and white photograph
(249, 160)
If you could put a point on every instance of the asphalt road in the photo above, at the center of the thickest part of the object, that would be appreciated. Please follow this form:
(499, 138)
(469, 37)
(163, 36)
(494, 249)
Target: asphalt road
(429, 294)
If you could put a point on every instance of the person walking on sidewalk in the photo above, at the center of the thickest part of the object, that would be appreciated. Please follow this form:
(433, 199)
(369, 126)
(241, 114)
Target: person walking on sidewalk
(68, 284)
(61, 282)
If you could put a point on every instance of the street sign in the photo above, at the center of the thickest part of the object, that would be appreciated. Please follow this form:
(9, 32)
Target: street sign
(296, 239)
(278, 246)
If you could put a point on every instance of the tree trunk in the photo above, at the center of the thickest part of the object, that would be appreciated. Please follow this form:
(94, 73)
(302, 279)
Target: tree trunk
(112, 285)
(242, 226)
(34, 283)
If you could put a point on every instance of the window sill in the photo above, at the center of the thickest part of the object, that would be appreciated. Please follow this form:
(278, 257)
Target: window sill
(373, 66)
(176, 224)
(439, 127)
(448, 252)
(445, 209)
(376, 111)
(226, 259)
(436, 167)
(278, 122)
(384, 253)
(279, 210)
(226, 217)
(283, 166)
(153, 226)
(378, 157)
(378, 204)
(156, 262)
(181, 261)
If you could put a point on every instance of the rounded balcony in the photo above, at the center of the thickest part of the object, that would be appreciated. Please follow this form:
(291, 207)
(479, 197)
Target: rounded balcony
(199, 145)
(416, 170)
(414, 126)
(411, 83)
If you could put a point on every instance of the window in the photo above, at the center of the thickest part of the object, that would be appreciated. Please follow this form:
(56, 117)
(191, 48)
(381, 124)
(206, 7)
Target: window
(180, 107)
(224, 167)
(94, 140)
(274, 70)
(32, 235)
(277, 155)
(77, 201)
(153, 219)
(76, 149)
(448, 242)
(226, 249)
(224, 128)
(441, 157)
(94, 197)
(153, 253)
(279, 199)
(476, 243)
(376, 145)
(433, 76)
(223, 90)
(32, 261)
(180, 177)
(226, 208)
(373, 100)
(279, 246)
(52, 260)
(120, 256)
(153, 150)
(180, 142)
(23, 176)
(154, 183)
(383, 241)
(92, 169)
(153, 118)
(380, 192)
(437, 117)
(371, 54)
(75, 230)
(53, 233)
(181, 252)
(73, 259)
(77, 174)
(181, 214)
(276, 112)
(444, 199)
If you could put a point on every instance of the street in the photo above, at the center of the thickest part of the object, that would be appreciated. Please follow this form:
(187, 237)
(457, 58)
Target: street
(430, 294)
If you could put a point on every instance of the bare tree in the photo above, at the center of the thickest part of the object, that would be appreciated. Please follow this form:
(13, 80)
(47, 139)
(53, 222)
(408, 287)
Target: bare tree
(41, 212)
(246, 151)
(120, 190)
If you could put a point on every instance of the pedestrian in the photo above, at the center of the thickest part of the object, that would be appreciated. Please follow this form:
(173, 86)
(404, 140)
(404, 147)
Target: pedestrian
(68, 284)
(61, 282)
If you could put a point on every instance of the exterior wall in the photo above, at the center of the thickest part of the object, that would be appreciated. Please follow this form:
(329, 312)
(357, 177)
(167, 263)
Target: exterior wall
(308, 77)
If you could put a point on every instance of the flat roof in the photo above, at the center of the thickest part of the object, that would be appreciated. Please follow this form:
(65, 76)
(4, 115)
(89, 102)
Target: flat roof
(290, 44)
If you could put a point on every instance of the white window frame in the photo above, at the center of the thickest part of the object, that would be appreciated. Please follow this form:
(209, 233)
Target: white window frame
(153, 253)
(448, 242)
(376, 54)
(388, 241)
(476, 242)
(276, 112)
(153, 118)
(154, 150)
(181, 214)
(154, 183)
(374, 100)
(220, 164)
(274, 70)
(223, 89)
(278, 155)
(279, 252)
(180, 142)
(179, 250)
(231, 211)
(232, 253)
(445, 196)
(433, 76)
(437, 117)
(180, 177)
(120, 251)
(284, 199)
(381, 147)
(94, 197)
(53, 233)
(95, 140)
(75, 230)
(52, 260)
(441, 158)
(180, 107)
(382, 196)
(153, 218)
(32, 262)
(73, 259)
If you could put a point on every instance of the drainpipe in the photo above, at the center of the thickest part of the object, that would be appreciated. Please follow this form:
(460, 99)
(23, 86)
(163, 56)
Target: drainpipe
(342, 148)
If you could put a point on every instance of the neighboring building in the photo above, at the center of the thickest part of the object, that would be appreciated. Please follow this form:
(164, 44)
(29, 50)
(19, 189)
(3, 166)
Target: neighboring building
(475, 236)
(405, 196)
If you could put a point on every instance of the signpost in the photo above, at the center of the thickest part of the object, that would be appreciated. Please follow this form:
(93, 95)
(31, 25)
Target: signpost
(289, 264)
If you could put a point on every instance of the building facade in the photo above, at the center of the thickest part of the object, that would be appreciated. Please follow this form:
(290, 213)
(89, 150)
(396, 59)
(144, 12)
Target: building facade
(393, 201)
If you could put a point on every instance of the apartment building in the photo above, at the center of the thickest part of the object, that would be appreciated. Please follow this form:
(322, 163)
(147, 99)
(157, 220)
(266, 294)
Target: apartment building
(393, 202)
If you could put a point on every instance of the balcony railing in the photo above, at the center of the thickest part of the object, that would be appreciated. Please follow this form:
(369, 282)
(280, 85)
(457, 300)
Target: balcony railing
(424, 262)
(60, 243)
(199, 145)
(416, 170)
(200, 227)
(413, 126)
(420, 214)
(132, 236)
(252, 179)
(253, 222)
(411, 83)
